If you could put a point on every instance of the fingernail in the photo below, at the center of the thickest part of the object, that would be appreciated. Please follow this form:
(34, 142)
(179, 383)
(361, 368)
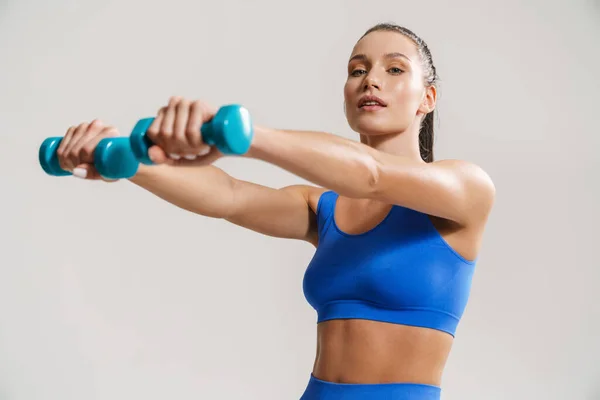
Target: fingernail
(190, 156)
(204, 151)
(80, 172)
(175, 156)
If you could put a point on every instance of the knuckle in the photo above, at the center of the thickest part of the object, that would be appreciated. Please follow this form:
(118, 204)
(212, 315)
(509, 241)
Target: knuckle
(174, 100)
(152, 133)
(166, 127)
(165, 131)
(153, 129)
(96, 123)
(80, 129)
(109, 131)
(73, 159)
(197, 105)
(179, 134)
(87, 152)
(191, 131)
(193, 135)
(163, 135)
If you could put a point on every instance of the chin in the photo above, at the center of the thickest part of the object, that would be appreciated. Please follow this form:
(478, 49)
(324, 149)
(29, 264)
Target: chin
(372, 127)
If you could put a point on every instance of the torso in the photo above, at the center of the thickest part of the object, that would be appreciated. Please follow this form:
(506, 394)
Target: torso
(364, 351)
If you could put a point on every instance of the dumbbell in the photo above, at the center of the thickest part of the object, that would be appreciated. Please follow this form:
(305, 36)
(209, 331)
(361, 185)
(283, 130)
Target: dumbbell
(230, 131)
(113, 158)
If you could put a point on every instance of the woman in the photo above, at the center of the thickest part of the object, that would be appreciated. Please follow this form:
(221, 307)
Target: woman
(396, 233)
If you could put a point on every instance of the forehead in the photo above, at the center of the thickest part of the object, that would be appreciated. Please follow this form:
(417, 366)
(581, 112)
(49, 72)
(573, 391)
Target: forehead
(377, 44)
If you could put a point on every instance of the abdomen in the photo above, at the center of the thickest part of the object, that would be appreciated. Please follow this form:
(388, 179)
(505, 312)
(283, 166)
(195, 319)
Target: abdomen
(364, 351)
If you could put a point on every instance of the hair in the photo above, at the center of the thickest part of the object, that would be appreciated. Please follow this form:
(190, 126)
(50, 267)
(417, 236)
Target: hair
(426, 133)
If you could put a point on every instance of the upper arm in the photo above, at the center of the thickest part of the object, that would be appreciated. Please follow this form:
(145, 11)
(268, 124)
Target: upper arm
(288, 212)
(455, 190)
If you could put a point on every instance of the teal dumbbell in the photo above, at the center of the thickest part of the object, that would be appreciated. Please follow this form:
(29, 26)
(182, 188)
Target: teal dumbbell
(230, 130)
(113, 158)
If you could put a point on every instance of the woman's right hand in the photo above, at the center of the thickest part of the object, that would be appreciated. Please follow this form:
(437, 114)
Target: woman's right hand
(76, 150)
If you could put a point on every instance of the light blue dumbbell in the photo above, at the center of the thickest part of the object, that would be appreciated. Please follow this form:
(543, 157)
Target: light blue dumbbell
(230, 131)
(113, 158)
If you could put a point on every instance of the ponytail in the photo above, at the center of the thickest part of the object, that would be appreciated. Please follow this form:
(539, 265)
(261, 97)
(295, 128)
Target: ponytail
(426, 138)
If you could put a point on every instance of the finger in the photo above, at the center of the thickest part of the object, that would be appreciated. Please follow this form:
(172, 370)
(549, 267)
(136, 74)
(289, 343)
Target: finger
(158, 156)
(194, 124)
(60, 151)
(154, 129)
(207, 159)
(84, 146)
(199, 114)
(156, 136)
(86, 171)
(166, 132)
(179, 127)
(73, 159)
(88, 147)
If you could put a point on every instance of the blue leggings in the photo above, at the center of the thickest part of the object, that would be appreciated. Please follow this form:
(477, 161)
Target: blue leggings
(323, 390)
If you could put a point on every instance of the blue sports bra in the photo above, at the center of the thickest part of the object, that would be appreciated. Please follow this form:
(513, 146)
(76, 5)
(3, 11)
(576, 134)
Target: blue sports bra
(402, 271)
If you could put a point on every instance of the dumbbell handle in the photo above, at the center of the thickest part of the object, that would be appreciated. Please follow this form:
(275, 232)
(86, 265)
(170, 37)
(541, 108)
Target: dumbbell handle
(230, 130)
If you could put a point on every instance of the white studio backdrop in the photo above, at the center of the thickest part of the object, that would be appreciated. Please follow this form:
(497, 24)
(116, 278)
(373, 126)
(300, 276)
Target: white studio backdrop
(107, 292)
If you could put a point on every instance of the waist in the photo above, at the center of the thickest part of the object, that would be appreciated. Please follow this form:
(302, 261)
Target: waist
(365, 351)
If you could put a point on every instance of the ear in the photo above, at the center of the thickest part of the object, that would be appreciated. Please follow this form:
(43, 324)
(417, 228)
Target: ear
(429, 99)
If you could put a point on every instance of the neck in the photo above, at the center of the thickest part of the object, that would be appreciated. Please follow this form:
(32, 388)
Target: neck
(405, 144)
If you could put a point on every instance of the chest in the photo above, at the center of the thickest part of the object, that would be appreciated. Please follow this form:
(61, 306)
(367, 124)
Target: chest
(358, 220)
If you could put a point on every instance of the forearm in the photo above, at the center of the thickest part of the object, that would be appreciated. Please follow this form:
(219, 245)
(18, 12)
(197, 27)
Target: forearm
(345, 166)
(205, 190)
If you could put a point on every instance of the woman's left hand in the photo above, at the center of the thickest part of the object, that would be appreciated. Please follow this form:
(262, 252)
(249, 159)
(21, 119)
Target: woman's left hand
(176, 134)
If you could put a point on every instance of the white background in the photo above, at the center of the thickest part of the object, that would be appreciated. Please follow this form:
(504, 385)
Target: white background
(107, 292)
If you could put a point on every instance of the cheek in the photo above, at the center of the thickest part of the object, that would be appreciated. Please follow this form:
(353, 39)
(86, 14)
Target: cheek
(349, 91)
(407, 95)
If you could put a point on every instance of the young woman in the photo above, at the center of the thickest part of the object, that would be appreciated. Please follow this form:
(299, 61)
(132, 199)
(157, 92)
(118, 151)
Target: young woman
(396, 233)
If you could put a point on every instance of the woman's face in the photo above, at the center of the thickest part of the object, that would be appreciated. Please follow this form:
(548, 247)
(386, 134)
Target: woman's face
(385, 65)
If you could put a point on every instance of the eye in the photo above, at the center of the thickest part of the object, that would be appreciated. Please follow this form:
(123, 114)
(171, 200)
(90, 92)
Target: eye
(358, 72)
(395, 70)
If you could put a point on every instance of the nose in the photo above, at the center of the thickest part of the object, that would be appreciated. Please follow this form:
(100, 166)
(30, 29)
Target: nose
(371, 81)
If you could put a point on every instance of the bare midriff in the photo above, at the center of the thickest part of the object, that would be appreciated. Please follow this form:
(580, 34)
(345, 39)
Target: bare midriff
(364, 351)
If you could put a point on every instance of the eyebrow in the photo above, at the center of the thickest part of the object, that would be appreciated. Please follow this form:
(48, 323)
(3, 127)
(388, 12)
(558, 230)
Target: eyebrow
(363, 57)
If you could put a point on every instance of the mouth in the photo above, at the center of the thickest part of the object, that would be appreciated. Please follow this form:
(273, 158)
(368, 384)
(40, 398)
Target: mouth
(371, 102)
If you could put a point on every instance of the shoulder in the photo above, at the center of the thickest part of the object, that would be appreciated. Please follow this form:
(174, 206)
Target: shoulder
(472, 181)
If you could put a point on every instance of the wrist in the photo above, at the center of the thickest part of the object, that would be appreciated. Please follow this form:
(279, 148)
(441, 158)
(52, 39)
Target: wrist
(260, 139)
(143, 172)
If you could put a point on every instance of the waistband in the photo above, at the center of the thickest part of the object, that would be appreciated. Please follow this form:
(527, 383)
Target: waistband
(318, 389)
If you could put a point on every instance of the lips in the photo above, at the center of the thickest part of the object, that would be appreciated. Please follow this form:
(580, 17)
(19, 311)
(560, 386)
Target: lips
(371, 101)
